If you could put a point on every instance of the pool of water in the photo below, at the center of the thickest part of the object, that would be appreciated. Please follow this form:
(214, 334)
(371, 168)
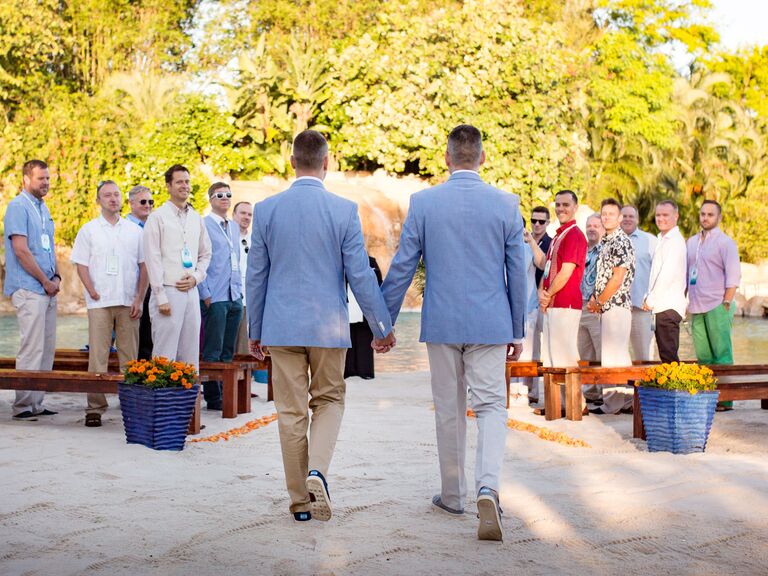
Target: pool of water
(750, 341)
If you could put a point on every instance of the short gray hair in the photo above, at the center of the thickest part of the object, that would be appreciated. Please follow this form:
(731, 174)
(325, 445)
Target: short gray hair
(136, 190)
(465, 145)
(309, 150)
(594, 215)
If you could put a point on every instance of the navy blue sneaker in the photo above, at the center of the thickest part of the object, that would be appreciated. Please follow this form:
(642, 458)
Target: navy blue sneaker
(302, 516)
(318, 495)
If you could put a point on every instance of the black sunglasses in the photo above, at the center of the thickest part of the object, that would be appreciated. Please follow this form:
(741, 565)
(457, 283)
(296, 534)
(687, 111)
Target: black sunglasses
(145, 201)
(244, 242)
(537, 221)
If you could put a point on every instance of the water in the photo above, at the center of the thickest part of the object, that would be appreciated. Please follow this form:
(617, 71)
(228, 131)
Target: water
(750, 341)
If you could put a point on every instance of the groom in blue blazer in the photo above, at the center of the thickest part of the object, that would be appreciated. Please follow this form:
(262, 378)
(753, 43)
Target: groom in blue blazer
(470, 237)
(305, 241)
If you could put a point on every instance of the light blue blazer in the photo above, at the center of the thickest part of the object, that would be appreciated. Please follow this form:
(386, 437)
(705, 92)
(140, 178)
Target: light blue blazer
(305, 240)
(470, 236)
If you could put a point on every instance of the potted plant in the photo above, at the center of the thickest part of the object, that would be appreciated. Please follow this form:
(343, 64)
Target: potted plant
(157, 401)
(678, 403)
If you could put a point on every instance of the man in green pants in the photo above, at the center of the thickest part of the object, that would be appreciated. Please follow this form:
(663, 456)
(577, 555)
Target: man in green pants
(714, 273)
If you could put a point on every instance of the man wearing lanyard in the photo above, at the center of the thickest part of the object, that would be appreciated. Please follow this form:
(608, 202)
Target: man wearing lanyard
(177, 252)
(221, 293)
(589, 326)
(714, 273)
(141, 203)
(242, 214)
(32, 281)
(641, 336)
(109, 257)
(560, 291)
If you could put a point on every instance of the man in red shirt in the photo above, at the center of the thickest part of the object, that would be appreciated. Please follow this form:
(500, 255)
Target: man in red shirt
(560, 292)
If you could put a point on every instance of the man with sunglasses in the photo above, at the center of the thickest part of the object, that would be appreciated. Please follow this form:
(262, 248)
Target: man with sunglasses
(141, 203)
(221, 293)
(539, 223)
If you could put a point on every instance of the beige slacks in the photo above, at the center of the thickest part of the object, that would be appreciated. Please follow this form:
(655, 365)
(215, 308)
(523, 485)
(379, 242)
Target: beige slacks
(559, 343)
(241, 342)
(616, 325)
(177, 336)
(101, 322)
(532, 350)
(589, 346)
(36, 314)
(296, 392)
(643, 344)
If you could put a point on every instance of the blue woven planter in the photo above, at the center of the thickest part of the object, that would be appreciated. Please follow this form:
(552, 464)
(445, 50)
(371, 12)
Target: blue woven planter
(156, 417)
(676, 421)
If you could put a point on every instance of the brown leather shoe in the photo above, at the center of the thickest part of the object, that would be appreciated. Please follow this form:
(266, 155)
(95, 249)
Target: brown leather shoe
(93, 420)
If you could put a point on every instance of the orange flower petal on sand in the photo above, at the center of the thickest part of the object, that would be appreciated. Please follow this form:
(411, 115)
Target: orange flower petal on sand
(246, 428)
(543, 433)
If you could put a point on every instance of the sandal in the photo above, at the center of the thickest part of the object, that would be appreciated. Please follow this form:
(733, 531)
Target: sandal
(93, 420)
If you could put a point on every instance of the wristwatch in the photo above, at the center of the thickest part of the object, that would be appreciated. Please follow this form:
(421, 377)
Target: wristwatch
(56, 275)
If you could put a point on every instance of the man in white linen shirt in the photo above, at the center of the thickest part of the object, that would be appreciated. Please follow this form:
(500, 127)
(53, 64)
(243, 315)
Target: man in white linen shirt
(109, 257)
(641, 335)
(242, 214)
(178, 252)
(666, 289)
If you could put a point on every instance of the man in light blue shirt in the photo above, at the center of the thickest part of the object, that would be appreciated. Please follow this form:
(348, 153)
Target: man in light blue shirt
(32, 281)
(221, 293)
(141, 203)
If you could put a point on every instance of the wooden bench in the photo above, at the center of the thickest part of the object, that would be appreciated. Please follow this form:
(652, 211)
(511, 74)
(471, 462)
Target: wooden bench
(528, 369)
(73, 381)
(250, 363)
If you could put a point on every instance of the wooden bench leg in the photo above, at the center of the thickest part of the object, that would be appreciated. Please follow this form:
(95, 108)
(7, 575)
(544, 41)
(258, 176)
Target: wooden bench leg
(194, 423)
(573, 396)
(229, 394)
(552, 405)
(764, 404)
(638, 429)
(270, 397)
(244, 392)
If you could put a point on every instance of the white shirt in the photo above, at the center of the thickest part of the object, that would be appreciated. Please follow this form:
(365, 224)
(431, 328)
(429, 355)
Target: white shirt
(245, 245)
(645, 246)
(112, 254)
(666, 288)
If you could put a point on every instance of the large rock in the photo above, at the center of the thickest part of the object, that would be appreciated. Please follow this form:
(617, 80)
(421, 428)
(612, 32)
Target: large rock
(755, 307)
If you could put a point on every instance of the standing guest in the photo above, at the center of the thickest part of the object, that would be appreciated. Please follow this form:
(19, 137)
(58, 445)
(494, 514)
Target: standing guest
(141, 202)
(221, 294)
(615, 272)
(32, 281)
(560, 290)
(641, 336)
(305, 240)
(177, 252)
(539, 222)
(359, 361)
(666, 288)
(533, 322)
(473, 314)
(589, 325)
(714, 273)
(242, 214)
(109, 257)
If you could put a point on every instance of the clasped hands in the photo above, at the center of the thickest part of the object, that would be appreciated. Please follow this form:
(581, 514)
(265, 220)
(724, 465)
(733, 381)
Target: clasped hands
(384, 345)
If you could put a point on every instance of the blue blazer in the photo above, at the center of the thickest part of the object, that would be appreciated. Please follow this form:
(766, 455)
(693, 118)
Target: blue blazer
(305, 240)
(470, 236)
(222, 284)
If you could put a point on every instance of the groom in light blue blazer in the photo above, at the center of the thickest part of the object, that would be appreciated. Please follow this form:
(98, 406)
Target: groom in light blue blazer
(305, 241)
(470, 236)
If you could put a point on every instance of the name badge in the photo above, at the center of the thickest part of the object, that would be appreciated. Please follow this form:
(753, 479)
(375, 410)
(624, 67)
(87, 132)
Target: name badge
(45, 241)
(186, 257)
(694, 275)
(113, 264)
(234, 261)
(546, 268)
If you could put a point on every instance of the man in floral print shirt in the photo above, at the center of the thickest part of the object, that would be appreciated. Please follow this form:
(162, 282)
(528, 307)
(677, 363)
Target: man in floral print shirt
(615, 272)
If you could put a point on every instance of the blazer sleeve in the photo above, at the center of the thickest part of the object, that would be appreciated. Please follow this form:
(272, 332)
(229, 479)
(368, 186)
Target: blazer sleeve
(516, 274)
(403, 265)
(256, 277)
(362, 279)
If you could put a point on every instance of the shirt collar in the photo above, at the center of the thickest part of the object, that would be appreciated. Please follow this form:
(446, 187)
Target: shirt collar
(37, 201)
(176, 210)
(675, 231)
(134, 219)
(465, 170)
(613, 234)
(712, 233)
(218, 219)
(315, 178)
(104, 222)
(566, 225)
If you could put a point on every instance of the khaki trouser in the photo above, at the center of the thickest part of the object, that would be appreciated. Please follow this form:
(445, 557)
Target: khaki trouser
(177, 336)
(101, 322)
(36, 314)
(615, 326)
(326, 389)
(589, 347)
(559, 341)
(642, 343)
(241, 342)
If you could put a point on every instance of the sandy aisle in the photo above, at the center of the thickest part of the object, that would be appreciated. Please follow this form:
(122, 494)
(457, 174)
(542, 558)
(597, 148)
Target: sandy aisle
(81, 501)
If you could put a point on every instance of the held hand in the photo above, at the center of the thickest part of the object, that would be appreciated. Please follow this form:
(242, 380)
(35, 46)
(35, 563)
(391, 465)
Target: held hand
(186, 283)
(544, 299)
(95, 296)
(727, 305)
(207, 302)
(384, 345)
(256, 349)
(164, 309)
(646, 307)
(517, 349)
(137, 307)
(593, 306)
(51, 287)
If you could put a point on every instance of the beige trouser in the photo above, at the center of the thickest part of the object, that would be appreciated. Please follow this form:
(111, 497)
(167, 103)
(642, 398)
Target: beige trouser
(641, 338)
(241, 343)
(101, 322)
(616, 325)
(454, 368)
(177, 336)
(532, 350)
(326, 389)
(36, 314)
(559, 347)
(589, 346)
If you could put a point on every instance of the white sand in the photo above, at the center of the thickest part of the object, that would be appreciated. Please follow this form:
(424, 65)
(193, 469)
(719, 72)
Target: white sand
(81, 501)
